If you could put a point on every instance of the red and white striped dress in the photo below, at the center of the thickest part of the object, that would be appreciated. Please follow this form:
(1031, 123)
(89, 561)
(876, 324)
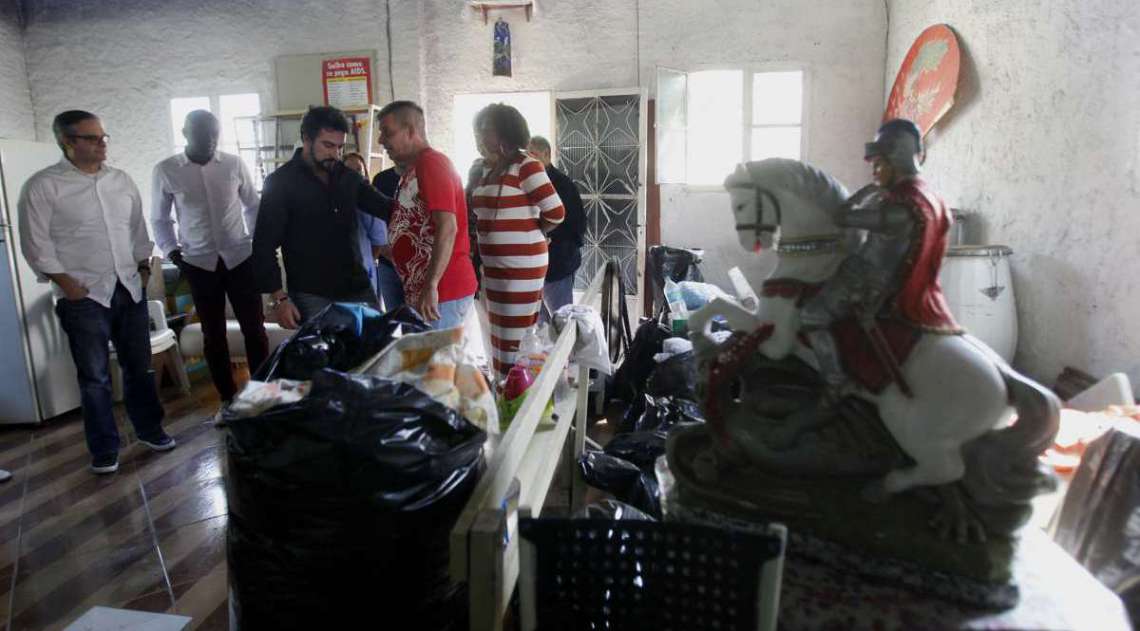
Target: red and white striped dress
(513, 248)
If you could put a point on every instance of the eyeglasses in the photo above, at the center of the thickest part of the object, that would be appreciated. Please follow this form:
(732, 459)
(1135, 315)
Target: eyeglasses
(92, 138)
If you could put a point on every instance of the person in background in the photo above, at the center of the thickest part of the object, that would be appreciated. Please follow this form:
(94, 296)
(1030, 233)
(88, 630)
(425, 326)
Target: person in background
(391, 291)
(215, 202)
(517, 207)
(565, 241)
(428, 229)
(474, 177)
(373, 230)
(308, 209)
(82, 227)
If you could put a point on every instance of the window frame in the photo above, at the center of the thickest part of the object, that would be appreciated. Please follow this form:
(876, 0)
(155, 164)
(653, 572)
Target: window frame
(506, 94)
(749, 70)
(215, 99)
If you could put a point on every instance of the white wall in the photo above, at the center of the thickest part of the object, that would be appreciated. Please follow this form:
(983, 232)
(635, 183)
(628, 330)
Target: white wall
(16, 119)
(841, 46)
(591, 44)
(1044, 147)
(125, 59)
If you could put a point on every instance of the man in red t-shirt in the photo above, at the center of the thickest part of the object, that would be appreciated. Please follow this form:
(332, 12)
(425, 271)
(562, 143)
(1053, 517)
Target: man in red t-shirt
(428, 229)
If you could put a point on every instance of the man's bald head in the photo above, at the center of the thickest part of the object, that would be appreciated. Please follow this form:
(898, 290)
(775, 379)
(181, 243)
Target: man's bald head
(539, 149)
(201, 131)
(405, 114)
(402, 130)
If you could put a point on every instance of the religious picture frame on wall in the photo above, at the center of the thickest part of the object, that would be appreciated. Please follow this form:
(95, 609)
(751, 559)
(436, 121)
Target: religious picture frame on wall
(501, 60)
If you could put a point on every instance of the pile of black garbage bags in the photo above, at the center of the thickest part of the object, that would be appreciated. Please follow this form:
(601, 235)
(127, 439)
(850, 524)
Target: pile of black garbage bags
(652, 399)
(341, 504)
(341, 337)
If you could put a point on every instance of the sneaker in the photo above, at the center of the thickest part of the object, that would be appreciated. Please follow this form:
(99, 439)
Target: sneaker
(162, 442)
(105, 464)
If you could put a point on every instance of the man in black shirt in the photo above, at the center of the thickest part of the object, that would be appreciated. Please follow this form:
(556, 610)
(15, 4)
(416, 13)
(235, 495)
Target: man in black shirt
(308, 209)
(567, 239)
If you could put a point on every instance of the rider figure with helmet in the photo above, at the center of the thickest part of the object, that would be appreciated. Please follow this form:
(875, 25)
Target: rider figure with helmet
(894, 273)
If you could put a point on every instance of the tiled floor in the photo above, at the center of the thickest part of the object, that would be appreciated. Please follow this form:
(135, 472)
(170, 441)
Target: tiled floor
(150, 537)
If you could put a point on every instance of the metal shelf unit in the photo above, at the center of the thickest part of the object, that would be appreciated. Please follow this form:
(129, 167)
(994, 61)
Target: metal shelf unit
(269, 140)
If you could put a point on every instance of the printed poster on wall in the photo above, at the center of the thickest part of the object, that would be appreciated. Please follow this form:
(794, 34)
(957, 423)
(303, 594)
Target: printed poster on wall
(347, 82)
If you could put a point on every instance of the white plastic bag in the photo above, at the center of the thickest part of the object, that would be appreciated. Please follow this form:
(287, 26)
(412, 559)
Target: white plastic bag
(590, 349)
(437, 363)
(258, 396)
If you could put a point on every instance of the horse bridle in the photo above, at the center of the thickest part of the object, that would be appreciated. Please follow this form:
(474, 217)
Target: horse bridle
(759, 226)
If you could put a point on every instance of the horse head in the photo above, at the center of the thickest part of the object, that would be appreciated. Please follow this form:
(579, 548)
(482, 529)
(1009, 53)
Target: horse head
(784, 201)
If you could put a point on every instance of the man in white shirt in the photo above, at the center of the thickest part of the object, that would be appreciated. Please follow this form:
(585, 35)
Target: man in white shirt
(216, 205)
(82, 227)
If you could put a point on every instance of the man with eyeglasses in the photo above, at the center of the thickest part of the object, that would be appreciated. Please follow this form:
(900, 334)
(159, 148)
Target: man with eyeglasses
(82, 227)
(308, 209)
(215, 201)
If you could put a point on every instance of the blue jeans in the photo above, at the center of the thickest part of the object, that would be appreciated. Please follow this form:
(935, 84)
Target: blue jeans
(388, 285)
(452, 313)
(311, 304)
(556, 294)
(89, 326)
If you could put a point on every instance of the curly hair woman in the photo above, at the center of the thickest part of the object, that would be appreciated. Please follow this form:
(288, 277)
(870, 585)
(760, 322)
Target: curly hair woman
(516, 206)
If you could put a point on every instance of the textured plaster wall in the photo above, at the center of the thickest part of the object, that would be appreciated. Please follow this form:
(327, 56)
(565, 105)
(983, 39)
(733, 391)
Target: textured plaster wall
(1044, 146)
(125, 59)
(839, 44)
(568, 45)
(16, 118)
(590, 44)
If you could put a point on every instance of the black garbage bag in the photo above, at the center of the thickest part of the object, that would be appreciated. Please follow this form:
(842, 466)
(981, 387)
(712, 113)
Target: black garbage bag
(623, 479)
(340, 507)
(674, 377)
(662, 413)
(340, 337)
(640, 448)
(1097, 521)
(677, 264)
(613, 510)
(627, 386)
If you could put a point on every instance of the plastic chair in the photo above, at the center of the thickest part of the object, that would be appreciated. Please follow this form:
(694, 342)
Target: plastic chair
(629, 574)
(163, 351)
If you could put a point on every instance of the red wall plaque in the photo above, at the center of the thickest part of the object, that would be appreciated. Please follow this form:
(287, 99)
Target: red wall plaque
(925, 86)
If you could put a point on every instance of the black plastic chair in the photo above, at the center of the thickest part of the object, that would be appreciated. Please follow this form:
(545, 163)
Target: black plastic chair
(628, 574)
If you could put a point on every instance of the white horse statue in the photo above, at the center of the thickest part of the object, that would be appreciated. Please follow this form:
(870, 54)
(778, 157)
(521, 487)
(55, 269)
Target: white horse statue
(956, 424)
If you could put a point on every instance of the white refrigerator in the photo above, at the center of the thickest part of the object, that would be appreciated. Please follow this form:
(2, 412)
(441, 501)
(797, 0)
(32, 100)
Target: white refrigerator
(37, 376)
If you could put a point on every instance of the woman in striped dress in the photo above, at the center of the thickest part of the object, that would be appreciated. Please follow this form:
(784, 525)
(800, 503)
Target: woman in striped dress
(516, 206)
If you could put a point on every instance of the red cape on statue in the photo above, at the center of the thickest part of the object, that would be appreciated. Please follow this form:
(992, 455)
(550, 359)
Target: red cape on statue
(919, 299)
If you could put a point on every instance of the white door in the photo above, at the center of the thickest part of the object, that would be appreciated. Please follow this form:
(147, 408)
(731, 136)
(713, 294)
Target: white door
(39, 342)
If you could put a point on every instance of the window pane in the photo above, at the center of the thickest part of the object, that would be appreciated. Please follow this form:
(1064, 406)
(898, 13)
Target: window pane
(670, 125)
(777, 98)
(232, 107)
(179, 108)
(775, 142)
(670, 156)
(716, 120)
(534, 106)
